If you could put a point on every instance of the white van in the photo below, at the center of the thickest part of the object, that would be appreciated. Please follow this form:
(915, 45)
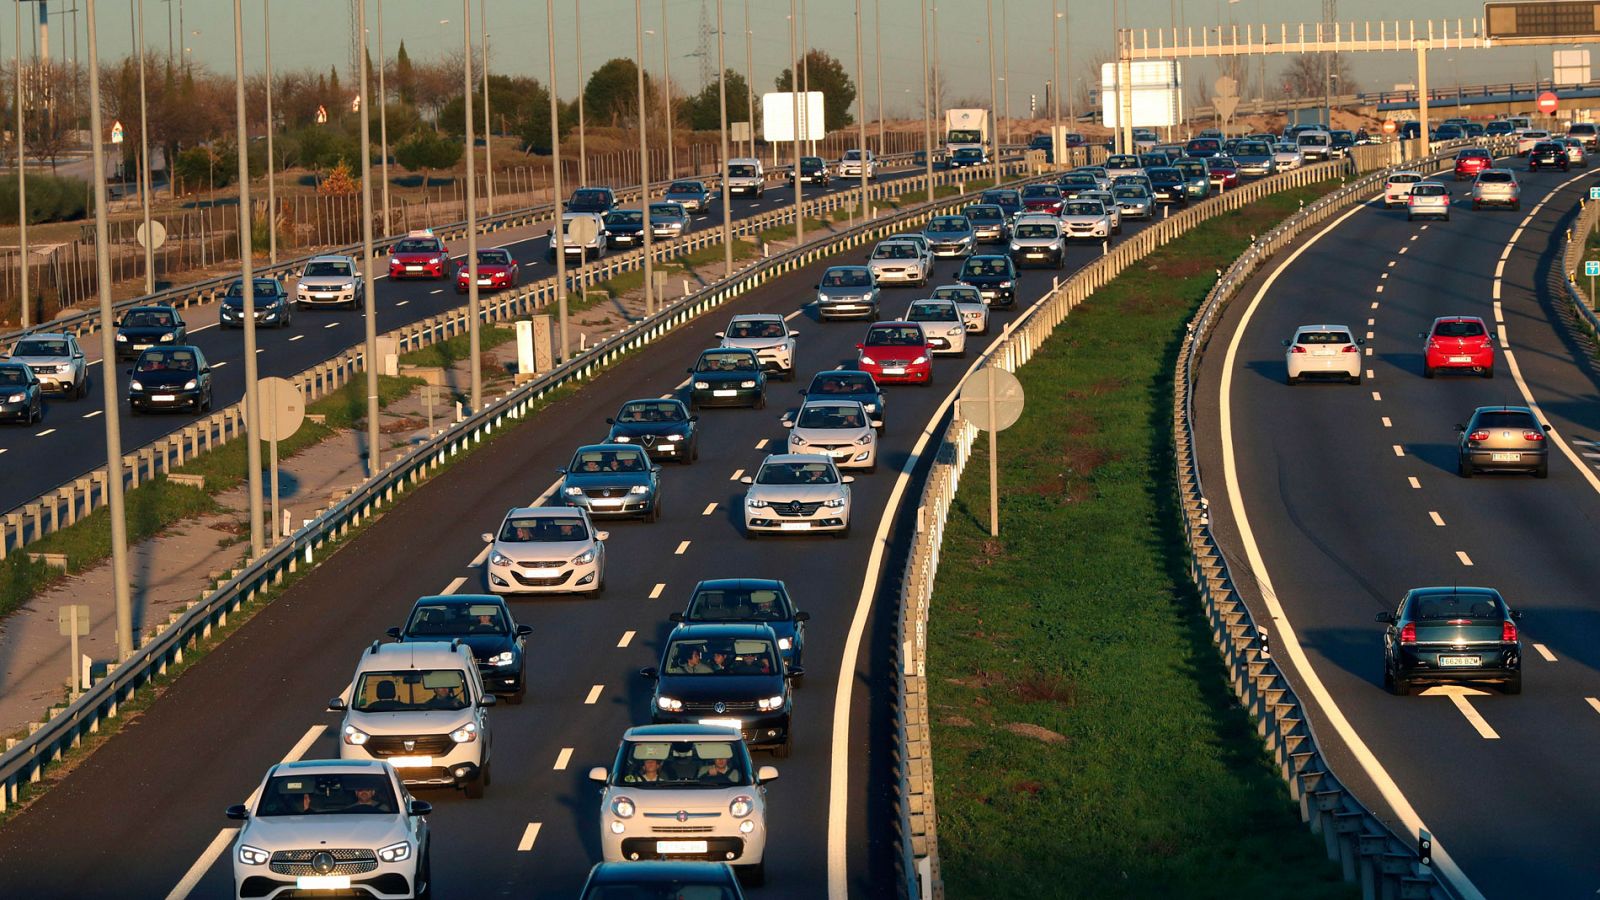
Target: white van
(746, 176)
(1315, 146)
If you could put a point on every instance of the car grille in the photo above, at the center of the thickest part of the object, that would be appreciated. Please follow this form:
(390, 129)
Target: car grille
(528, 581)
(605, 492)
(345, 862)
(732, 706)
(421, 745)
(682, 829)
(796, 509)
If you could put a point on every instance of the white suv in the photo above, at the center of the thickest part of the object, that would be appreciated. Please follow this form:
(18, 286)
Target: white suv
(769, 336)
(1397, 188)
(331, 825)
(420, 707)
(850, 165)
(746, 176)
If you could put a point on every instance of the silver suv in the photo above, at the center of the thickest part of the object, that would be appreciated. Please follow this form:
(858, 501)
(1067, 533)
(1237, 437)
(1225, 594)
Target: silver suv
(56, 360)
(685, 792)
(331, 825)
(330, 281)
(421, 707)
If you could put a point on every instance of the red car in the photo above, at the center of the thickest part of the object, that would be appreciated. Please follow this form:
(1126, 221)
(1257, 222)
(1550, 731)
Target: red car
(1458, 342)
(896, 352)
(420, 254)
(496, 270)
(1224, 172)
(1042, 198)
(1471, 161)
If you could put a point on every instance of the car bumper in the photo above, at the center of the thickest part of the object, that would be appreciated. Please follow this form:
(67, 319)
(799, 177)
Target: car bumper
(1344, 365)
(1474, 361)
(263, 317)
(1049, 257)
(660, 448)
(943, 343)
(1255, 170)
(665, 234)
(1136, 212)
(998, 297)
(749, 187)
(975, 321)
(309, 298)
(415, 271)
(989, 235)
(176, 399)
(565, 579)
(1431, 209)
(501, 679)
(461, 765)
(956, 249)
(1088, 232)
(850, 309)
(847, 456)
(758, 730)
(390, 880)
(899, 276)
(493, 284)
(130, 350)
(905, 375)
(18, 411)
(599, 507)
(1494, 664)
(1497, 199)
(56, 384)
(637, 841)
(725, 396)
(1524, 461)
(765, 521)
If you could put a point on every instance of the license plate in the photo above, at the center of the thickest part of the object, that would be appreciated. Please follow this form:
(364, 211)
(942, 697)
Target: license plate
(680, 846)
(1505, 457)
(540, 573)
(413, 268)
(1461, 359)
(1458, 660)
(606, 501)
(1032, 255)
(411, 762)
(724, 393)
(486, 281)
(894, 370)
(794, 526)
(1321, 352)
(323, 883)
(163, 398)
(723, 723)
(141, 346)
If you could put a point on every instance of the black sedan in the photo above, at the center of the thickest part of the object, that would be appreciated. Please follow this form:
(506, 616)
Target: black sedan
(995, 277)
(1547, 155)
(763, 600)
(1009, 201)
(624, 228)
(1451, 635)
(149, 326)
(21, 399)
(693, 195)
(850, 384)
(271, 303)
(726, 674)
(813, 170)
(613, 480)
(170, 378)
(1169, 184)
(727, 377)
(663, 427)
(482, 622)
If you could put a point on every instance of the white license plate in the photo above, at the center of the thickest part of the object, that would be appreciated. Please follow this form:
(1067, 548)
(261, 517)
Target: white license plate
(141, 346)
(1458, 660)
(411, 762)
(724, 393)
(486, 281)
(163, 398)
(540, 573)
(1321, 352)
(413, 268)
(606, 501)
(794, 526)
(1461, 359)
(680, 846)
(894, 370)
(1506, 457)
(723, 723)
(1032, 255)
(323, 883)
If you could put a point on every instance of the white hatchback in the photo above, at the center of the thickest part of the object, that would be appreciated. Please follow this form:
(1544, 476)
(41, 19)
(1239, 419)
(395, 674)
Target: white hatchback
(1323, 351)
(1397, 187)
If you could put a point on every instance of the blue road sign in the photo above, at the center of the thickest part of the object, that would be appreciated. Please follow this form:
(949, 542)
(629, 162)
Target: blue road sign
(1594, 193)
(1592, 268)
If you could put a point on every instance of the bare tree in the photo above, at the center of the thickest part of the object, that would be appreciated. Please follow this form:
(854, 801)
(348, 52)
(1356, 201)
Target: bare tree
(1306, 75)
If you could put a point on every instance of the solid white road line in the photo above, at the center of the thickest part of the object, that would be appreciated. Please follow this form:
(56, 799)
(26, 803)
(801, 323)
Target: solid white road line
(594, 695)
(1437, 519)
(482, 555)
(202, 865)
(330, 325)
(1288, 639)
(455, 585)
(682, 549)
(1464, 706)
(1545, 652)
(305, 742)
(439, 291)
(1415, 484)
(710, 508)
(1465, 559)
(529, 835)
(402, 303)
(218, 365)
(655, 592)
(562, 758)
(627, 638)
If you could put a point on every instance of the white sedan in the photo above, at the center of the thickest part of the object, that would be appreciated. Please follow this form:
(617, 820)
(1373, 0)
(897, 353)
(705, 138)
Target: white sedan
(974, 312)
(1323, 351)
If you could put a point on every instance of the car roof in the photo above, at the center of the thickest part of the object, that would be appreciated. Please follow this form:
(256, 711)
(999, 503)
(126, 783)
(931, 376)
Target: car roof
(799, 457)
(152, 307)
(413, 655)
(458, 600)
(330, 766)
(757, 317)
(1322, 328)
(1521, 409)
(725, 350)
(697, 630)
(605, 446)
(525, 512)
(1452, 589)
(332, 257)
(851, 373)
(1477, 319)
(660, 871)
(848, 269)
(49, 335)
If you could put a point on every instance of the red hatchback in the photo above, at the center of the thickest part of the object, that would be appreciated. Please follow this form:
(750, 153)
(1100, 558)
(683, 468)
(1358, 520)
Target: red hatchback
(1042, 198)
(497, 270)
(896, 353)
(420, 254)
(1471, 161)
(1458, 342)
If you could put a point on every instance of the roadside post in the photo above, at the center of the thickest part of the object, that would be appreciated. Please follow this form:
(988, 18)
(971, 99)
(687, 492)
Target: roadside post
(1591, 268)
(283, 410)
(73, 621)
(992, 400)
(432, 395)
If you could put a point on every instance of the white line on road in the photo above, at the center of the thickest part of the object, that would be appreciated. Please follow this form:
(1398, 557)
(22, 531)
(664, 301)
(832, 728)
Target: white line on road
(1384, 277)
(761, 444)
(627, 638)
(218, 365)
(1391, 263)
(737, 474)
(1415, 484)
(1404, 249)
(330, 325)
(594, 695)
(1374, 305)
(1593, 703)
(402, 303)
(655, 592)
(1369, 351)
(439, 291)
(1516, 235)
(1377, 396)
(305, 742)
(710, 508)
(1387, 423)
(1369, 373)
(1437, 519)
(529, 835)
(454, 585)
(682, 549)
(45, 432)
(1399, 450)
(1380, 288)
(1496, 292)
(296, 338)
(1371, 322)
(202, 865)
(1545, 652)
(1464, 706)
(90, 415)
(562, 758)
(1369, 335)
(1465, 559)
(1498, 315)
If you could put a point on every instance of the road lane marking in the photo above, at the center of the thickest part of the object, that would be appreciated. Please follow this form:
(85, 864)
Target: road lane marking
(1371, 322)
(1387, 423)
(218, 365)
(1498, 315)
(1593, 703)
(1369, 373)
(594, 695)
(1391, 263)
(682, 549)
(203, 327)
(1504, 341)
(296, 338)
(655, 592)
(1369, 335)
(1384, 276)
(1516, 235)
(627, 638)
(1545, 652)
(90, 415)
(1369, 351)
(529, 835)
(1374, 304)
(1465, 559)
(1399, 450)
(305, 742)
(710, 508)
(1458, 695)
(1424, 228)
(439, 291)
(1380, 288)
(482, 555)
(1415, 484)
(402, 303)
(201, 866)
(1377, 396)
(737, 474)
(1437, 519)
(562, 758)
(47, 431)
(330, 325)
(1404, 249)
(455, 585)
(761, 444)
(1496, 292)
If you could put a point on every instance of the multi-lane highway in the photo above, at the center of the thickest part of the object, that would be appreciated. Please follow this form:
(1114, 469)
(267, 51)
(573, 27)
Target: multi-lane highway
(1333, 499)
(70, 440)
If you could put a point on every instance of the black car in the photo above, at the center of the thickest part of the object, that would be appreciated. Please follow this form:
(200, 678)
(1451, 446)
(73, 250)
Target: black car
(1203, 148)
(662, 878)
(271, 303)
(624, 228)
(990, 224)
(170, 378)
(728, 672)
(613, 480)
(591, 199)
(1009, 201)
(995, 278)
(21, 398)
(1074, 183)
(728, 376)
(1044, 142)
(663, 427)
(762, 600)
(1546, 155)
(1168, 184)
(850, 384)
(813, 170)
(1451, 634)
(482, 622)
(1342, 142)
(149, 326)
(1503, 439)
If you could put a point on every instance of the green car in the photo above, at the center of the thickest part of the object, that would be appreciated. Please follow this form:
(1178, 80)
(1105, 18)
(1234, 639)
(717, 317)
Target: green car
(1196, 177)
(727, 376)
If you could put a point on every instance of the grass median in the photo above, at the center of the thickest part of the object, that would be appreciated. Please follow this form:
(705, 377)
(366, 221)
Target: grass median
(1086, 742)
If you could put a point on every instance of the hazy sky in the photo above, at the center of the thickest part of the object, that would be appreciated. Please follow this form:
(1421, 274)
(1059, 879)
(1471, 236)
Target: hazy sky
(315, 33)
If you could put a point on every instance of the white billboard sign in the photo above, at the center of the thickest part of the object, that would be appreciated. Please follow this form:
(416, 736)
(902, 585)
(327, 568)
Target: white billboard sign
(777, 117)
(1571, 67)
(1157, 90)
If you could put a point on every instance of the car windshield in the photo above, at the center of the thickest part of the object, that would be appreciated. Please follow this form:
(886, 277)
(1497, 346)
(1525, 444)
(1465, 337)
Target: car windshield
(933, 311)
(262, 286)
(1204, 144)
(1128, 190)
(726, 656)
(1285, 148)
(727, 362)
(830, 415)
(1002, 198)
(416, 245)
(742, 171)
(684, 187)
(847, 278)
(329, 794)
(852, 154)
(1504, 419)
(148, 318)
(1252, 148)
(410, 690)
(165, 361)
(1317, 140)
(1191, 168)
(980, 266)
(651, 411)
(757, 328)
(456, 619)
(13, 376)
(1036, 230)
(842, 384)
(988, 213)
(1322, 337)
(542, 530)
(894, 336)
(591, 461)
(961, 294)
(1084, 208)
(948, 223)
(1164, 174)
(807, 163)
(624, 217)
(324, 269)
(1464, 328)
(1495, 177)
(791, 473)
(1041, 191)
(661, 210)
(670, 764)
(1072, 179)
(1428, 190)
(494, 257)
(1455, 606)
(894, 251)
(1474, 153)
(589, 198)
(1404, 179)
(1122, 161)
(969, 153)
(41, 347)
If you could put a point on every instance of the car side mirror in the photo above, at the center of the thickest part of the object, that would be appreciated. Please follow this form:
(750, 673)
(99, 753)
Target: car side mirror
(675, 617)
(1421, 335)
(848, 479)
(766, 774)
(747, 480)
(817, 287)
(611, 421)
(694, 418)
(1286, 343)
(561, 470)
(1461, 428)
(1516, 614)
(129, 373)
(239, 812)
(487, 537)
(786, 422)
(337, 704)
(205, 370)
(487, 700)
(655, 467)
(860, 347)
(598, 773)
(394, 633)
(1361, 340)
(722, 334)
(1386, 617)
(795, 672)
(602, 536)
(877, 423)
(419, 807)
(650, 672)
(690, 370)
(802, 616)
(794, 334)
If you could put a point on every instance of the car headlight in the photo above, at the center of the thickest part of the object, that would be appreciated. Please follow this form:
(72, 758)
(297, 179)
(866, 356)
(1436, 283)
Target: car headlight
(191, 384)
(16, 398)
(867, 360)
(1004, 285)
(668, 704)
(465, 734)
(253, 856)
(167, 337)
(955, 332)
(867, 438)
(435, 261)
(741, 806)
(135, 385)
(639, 489)
(503, 658)
(395, 852)
(622, 808)
(354, 736)
(584, 558)
(701, 385)
(836, 503)
(573, 491)
(622, 439)
(870, 407)
(770, 703)
(755, 503)
(747, 384)
(497, 558)
(919, 360)
(123, 338)
(674, 438)
(785, 644)
(1016, 247)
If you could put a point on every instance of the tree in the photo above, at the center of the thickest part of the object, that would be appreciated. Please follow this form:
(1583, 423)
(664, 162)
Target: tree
(612, 95)
(427, 150)
(826, 75)
(1307, 75)
(704, 110)
(339, 181)
(405, 77)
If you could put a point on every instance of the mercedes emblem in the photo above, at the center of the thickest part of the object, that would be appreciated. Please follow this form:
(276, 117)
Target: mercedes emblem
(322, 862)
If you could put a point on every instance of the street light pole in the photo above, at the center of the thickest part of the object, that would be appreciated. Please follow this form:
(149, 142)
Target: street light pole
(750, 75)
(583, 158)
(559, 232)
(666, 91)
(108, 351)
(144, 168)
(1005, 55)
(722, 111)
(1055, 82)
(488, 126)
(861, 115)
(252, 404)
(272, 193)
(22, 181)
(644, 160)
(472, 209)
(877, 72)
(369, 290)
(794, 109)
(994, 107)
(383, 125)
(927, 99)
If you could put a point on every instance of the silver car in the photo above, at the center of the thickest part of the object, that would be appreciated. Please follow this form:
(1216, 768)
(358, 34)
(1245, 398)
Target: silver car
(1134, 201)
(1101, 177)
(579, 248)
(1496, 187)
(330, 281)
(1086, 219)
(1428, 198)
(847, 292)
(949, 235)
(1255, 158)
(1113, 208)
(841, 429)
(942, 323)
(667, 775)
(1038, 240)
(546, 550)
(969, 300)
(1287, 156)
(769, 336)
(302, 809)
(797, 493)
(56, 360)
(899, 261)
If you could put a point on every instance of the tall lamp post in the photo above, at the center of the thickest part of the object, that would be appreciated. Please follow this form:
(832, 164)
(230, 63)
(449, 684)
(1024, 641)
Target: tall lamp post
(369, 289)
(472, 208)
(22, 179)
(927, 99)
(794, 108)
(252, 404)
(144, 167)
(750, 75)
(722, 112)
(488, 127)
(559, 233)
(861, 115)
(994, 107)
(666, 92)
(383, 124)
(272, 194)
(644, 160)
(583, 158)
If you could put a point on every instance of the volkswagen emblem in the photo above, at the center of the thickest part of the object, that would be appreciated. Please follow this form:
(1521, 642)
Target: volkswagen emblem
(720, 707)
(683, 816)
(411, 745)
(322, 862)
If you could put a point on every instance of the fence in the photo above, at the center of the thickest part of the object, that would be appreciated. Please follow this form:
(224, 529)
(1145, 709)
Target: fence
(1577, 238)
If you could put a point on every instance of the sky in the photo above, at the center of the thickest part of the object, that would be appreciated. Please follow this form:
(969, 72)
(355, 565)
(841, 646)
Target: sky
(315, 34)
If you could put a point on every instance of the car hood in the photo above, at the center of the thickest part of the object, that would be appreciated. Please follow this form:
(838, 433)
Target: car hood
(146, 332)
(362, 830)
(830, 435)
(41, 360)
(327, 282)
(790, 493)
(416, 257)
(979, 280)
(646, 429)
(625, 227)
(1251, 158)
(713, 799)
(1083, 218)
(754, 343)
(876, 263)
(1035, 241)
(535, 553)
(163, 378)
(595, 480)
(483, 645)
(850, 292)
(710, 688)
(494, 269)
(430, 721)
(237, 302)
(947, 235)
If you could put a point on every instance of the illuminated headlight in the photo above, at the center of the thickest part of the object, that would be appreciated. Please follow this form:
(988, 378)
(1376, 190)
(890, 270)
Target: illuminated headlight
(499, 559)
(701, 385)
(123, 338)
(1016, 247)
(395, 852)
(573, 491)
(796, 441)
(584, 558)
(191, 384)
(622, 808)
(622, 439)
(1004, 285)
(785, 644)
(503, 658)
(868, 361)
(465, 734)
(674, 438)
(354, 736)
(755, 503)
(135, 385)
(167, 337)
(741, 806)
(770, 703)
(836, 503)
(16, 398)
(954, 332)
(747, 384)
(639, 489)
(435, 261)
(668, 704)
(253, 856)
(747, 826)
(919, 360)
(870, 407)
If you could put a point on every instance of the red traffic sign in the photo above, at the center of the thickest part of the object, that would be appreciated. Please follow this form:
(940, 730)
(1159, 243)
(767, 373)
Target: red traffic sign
(1547, 102)
(1388, 126)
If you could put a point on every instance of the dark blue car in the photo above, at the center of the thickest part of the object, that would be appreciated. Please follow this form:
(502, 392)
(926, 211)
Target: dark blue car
(850, 384)
(766, 600)
(613, 480)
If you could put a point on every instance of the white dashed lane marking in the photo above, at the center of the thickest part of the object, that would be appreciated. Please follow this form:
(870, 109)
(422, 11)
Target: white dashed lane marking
(1399, 450)
(627, 638)
(296, 338)
(594, 695)
(761, 444)
(1465, 559)
(683, 548)
(1415, 484)
(47, 431)
(1545, 652)
(1437, 519)
(655, 592)
(710, 508)
(1377, 396)
(90, 415)
(1387, 423)
(562, 758)
(737, 474)
(529, 835)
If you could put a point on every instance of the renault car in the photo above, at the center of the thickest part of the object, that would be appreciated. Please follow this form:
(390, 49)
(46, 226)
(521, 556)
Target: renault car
(1457, 342)
(1503, 438)
(800, 494)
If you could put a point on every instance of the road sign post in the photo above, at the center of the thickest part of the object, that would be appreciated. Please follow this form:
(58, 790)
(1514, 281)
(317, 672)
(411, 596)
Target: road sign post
(73, 622)
(992, 400)
(283, 410)
(433, 395)
(1591, 268)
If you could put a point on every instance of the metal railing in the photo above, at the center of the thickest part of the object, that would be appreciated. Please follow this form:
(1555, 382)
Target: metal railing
(1577, 241)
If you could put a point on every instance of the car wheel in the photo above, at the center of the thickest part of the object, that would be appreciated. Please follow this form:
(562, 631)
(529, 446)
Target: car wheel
(474, 788)
(1514, 686)
(783, 750)
(1463, 468)
(1427, 371)
(1398, 686)
(1543, 471)
(424, 876)
(1355, 379)
(761, 401)
(1293, 380)
(37, 415)
(755, 875)
(1488, 371)
(655, 511)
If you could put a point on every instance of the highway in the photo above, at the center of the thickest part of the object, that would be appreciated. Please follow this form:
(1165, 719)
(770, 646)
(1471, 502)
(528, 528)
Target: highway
(70, 442)
(1331, 500)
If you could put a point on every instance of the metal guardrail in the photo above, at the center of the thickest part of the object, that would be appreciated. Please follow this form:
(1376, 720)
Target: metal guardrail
(67, 727)
(1577, 239)
(918, 833)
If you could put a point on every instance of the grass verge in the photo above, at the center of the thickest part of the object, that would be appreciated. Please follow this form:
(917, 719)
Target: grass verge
(1086, 741)
(447, 353)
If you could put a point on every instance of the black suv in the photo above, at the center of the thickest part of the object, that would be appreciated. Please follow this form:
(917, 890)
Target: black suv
(1547, 154)
(726, 674)
(592, 200)
(1168, 184)
(482, 622)
(663, 427)
(850, 384)
(1451, 634)
(995, 277)
(1009, 201)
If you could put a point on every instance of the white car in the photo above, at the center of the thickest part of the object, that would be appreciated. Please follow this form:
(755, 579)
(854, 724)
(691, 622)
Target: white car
(1286, 156)
(1496, 187)
(900, 260)
(1084, 218)
(330, 281)
(841, 429)
(1397, 187)
(969, 300)
(301, 809)
(1428, 198)
(546, 550)
(578, 248)
(943, 324)
(1322, 351)
(850, 165)
(1113, 209)
(1527, 139)
(797, 493)
(769, 336)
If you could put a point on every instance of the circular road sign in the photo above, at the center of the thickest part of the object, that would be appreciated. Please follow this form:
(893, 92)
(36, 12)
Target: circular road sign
(156, 237)
(283, 408)
(1006, 391)
(581, 230)
(1547, 102)
(1388, 126)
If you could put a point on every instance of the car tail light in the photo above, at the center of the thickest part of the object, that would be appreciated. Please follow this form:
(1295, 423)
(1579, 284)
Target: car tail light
(1508, 632)
(1351, 348)
(1533, 435)
(1478, 436)
(1297, 349)
(1408, 633)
